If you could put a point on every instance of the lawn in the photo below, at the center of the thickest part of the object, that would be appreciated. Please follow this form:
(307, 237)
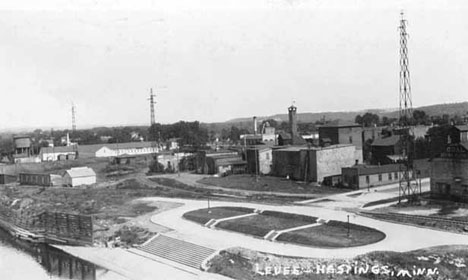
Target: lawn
(333, 234)
(202, 216)
(260, 225)
(268, 184)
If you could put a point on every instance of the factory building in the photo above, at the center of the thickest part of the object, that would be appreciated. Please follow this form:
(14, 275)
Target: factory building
(314, 164)
(267, 135)
(342, 133)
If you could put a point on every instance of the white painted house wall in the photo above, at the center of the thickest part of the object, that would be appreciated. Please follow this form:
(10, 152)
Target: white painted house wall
(106, 152)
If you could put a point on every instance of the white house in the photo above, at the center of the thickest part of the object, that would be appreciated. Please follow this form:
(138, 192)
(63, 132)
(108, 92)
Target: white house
(78, 176)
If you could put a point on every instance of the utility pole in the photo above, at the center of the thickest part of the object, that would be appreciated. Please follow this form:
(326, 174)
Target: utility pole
(73, 109)
(152, 101)
(407, 188)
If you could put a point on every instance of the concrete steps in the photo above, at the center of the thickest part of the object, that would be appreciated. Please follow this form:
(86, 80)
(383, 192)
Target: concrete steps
(178, 251)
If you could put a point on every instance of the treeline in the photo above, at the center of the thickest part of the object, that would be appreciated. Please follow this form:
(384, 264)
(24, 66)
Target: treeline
(186, 133)
(419, 118)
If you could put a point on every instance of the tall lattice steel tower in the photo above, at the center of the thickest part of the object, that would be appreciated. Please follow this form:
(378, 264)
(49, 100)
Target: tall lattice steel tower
(73, 109)
(152, 101)
(409, 187)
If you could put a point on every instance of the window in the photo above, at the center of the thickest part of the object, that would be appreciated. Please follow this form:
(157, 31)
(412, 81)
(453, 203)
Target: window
(380, 177)
(350, 139)
(396, 175)
(267, 156)
(367, 179)
(390, 176)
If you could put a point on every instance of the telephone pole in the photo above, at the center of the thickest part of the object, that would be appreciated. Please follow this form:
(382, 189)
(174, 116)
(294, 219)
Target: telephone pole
(152, 101)
(73, 109)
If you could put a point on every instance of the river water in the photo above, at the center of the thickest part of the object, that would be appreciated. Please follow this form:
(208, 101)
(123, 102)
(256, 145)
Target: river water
(20, 260)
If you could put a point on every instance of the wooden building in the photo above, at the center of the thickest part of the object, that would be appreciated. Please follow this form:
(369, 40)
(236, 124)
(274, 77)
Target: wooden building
(47, 180)
(78, 176)
(259, 159)
(364, 176)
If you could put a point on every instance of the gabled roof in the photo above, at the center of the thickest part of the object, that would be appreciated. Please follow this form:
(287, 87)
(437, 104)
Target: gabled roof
(376, 169)
(115, 146)
(77, 172)
(462, 127)
(58, 149)
(465, 145)
(284, 135)
(387, 141)
(229, 161)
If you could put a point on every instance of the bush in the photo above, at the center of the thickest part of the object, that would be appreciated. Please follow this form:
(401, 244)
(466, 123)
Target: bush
(156, 167)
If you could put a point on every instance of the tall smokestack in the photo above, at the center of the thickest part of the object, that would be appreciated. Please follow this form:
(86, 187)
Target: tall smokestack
(255, 125)
(292, 122)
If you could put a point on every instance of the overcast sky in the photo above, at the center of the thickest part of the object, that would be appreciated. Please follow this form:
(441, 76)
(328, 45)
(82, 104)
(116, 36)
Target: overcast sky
(217, 60)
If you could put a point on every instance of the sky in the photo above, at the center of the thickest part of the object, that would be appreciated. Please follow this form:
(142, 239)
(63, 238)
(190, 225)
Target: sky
(215, 60)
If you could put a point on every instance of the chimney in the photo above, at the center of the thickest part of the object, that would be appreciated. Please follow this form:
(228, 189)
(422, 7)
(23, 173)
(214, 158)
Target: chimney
(68, 139)
(255, 125)
(292, 122)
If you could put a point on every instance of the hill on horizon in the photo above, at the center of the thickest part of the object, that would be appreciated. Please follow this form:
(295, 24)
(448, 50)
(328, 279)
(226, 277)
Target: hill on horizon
(458, 108)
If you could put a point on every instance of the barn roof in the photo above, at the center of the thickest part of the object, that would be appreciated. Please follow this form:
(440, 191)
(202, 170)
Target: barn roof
(58, 149)
(387, 141)
(462, 127)
(77, 172)
(376, 169)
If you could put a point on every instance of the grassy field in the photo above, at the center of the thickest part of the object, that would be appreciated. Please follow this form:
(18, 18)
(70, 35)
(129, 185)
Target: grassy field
(268, 184)
(333, 234)
(234, 195)
(450, 262)
(259, 225)
(202, 216)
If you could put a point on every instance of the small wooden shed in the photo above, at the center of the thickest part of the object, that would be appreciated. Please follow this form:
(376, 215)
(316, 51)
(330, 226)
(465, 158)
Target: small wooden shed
(78, 176)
